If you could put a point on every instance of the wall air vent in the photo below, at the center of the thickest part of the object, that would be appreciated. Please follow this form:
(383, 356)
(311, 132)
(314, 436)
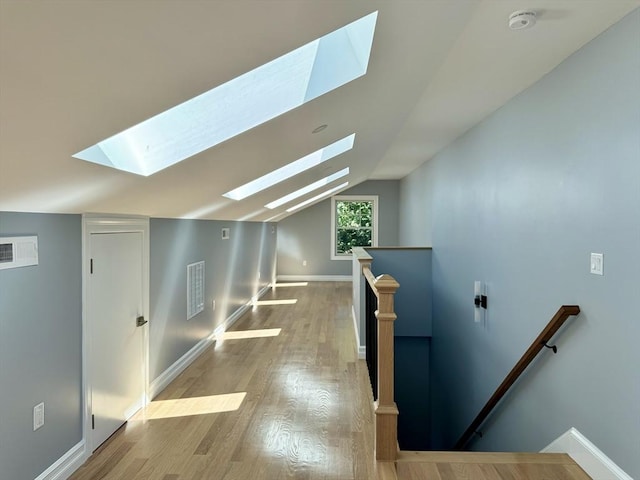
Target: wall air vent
(18, 252)
(195, 289)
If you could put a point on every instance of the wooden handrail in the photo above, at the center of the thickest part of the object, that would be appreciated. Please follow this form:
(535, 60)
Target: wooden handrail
(386, 410)
(538, 344)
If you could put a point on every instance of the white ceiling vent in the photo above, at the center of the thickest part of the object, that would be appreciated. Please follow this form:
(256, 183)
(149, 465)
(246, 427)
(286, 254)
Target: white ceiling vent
(18, 252)
(195, 289)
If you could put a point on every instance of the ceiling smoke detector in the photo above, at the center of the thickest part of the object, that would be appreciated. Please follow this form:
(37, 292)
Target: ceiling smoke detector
(522, 19)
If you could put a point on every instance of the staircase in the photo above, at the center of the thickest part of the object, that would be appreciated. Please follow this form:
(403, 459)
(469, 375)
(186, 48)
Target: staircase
(393, 464)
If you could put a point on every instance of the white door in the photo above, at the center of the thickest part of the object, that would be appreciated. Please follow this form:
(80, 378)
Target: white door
(115, 302)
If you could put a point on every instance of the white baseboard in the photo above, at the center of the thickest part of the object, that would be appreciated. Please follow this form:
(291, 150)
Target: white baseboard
(362, 351)
(171, 373)
(65, 465)
(314, 278)
(235, 316)
(590, 458)
(179, 366)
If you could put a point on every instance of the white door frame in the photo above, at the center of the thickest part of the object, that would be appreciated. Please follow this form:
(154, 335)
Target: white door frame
(95, 223)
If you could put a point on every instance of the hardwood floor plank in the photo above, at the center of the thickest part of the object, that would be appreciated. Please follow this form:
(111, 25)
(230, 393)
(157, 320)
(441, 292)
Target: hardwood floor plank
(307, 412)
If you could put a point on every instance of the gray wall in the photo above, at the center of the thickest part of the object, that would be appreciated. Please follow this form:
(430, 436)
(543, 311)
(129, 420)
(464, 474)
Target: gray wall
(40, 346)
(412, 331)
(519, 202)
(41, 319)
(232, 268)
(306, 235)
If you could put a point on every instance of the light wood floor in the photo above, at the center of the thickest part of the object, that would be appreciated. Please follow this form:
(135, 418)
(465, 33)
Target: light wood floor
(293, 403)
(305, 410)
(487, 466)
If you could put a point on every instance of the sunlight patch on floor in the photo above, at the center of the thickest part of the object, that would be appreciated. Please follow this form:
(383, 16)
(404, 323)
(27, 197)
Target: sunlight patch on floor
(244, 334)
(285, 301)
(185, 407)
(291, 284)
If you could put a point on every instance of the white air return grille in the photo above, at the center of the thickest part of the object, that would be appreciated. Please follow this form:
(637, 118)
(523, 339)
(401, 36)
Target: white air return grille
(195, 289)
(18, 252)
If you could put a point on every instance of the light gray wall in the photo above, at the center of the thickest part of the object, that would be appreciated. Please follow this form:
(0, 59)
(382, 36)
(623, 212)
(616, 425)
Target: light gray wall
(416, 189)
(232, 268)
(41, 319)
(519, 202)
(306, 235)
(40, 346)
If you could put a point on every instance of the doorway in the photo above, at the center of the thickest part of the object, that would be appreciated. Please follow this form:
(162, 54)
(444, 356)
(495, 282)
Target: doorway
(115, 336)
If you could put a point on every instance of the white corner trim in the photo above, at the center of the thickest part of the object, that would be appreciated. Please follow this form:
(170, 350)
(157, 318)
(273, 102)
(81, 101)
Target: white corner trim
(179, 366)
(362, 350)
(590, 458)
(66, 464)
(314, 278)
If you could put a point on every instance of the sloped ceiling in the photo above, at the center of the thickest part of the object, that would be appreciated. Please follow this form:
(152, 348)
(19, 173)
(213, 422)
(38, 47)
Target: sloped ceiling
(74, 73)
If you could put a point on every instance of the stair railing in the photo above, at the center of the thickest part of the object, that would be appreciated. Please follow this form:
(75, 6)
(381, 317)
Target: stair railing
(538, 344)
(386, 410)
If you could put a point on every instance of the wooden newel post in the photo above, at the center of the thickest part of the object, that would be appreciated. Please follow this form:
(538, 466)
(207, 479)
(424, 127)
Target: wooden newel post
(385, 407)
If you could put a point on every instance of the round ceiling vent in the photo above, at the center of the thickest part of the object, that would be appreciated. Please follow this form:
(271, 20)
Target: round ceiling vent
(522, 19)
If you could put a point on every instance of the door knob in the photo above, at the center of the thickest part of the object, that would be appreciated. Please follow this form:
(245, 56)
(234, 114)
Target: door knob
(140, 321)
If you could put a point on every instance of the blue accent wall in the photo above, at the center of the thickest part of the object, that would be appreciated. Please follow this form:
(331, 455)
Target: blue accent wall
(519, 202)
(412, 339)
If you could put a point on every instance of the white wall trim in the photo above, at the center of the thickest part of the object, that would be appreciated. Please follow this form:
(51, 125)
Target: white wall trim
(105, 223)
(314, 278)
(590, 458)
(66, 464)
(235, 316)
(179, 366)
(362, 351)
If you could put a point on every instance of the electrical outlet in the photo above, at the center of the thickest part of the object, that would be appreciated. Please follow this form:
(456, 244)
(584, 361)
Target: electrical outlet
(304, 263)
(38, 416)
(213, 305)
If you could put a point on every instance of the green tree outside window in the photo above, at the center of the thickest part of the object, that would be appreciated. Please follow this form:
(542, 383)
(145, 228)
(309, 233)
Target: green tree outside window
(354, 225)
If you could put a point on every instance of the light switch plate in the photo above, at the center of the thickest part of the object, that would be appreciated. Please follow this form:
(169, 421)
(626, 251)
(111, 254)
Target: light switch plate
(38, 416)
(597, 263)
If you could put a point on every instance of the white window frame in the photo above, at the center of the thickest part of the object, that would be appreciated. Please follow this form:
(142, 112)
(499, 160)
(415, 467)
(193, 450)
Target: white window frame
(374, 223)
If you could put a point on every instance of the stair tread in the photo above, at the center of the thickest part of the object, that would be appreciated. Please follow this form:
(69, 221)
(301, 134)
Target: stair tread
(487, 466)
(483, 457)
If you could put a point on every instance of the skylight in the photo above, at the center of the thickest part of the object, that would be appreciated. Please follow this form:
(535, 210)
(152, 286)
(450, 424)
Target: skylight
(317, 197)
(309, 188)
(292, 169)
(240, 104)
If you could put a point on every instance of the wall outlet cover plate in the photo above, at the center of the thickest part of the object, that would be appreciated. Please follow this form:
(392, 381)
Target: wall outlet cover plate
(597, 263)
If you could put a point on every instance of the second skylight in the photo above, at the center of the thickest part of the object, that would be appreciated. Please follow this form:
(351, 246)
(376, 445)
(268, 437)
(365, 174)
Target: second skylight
(292, 169)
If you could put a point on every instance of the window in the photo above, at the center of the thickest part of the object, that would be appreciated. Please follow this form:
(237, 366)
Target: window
(240, 104)
(353, 224)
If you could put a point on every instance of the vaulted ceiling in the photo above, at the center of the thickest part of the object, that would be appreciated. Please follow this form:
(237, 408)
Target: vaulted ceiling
(74, 73)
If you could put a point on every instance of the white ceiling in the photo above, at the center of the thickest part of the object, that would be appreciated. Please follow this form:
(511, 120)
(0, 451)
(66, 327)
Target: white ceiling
(74, 73)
